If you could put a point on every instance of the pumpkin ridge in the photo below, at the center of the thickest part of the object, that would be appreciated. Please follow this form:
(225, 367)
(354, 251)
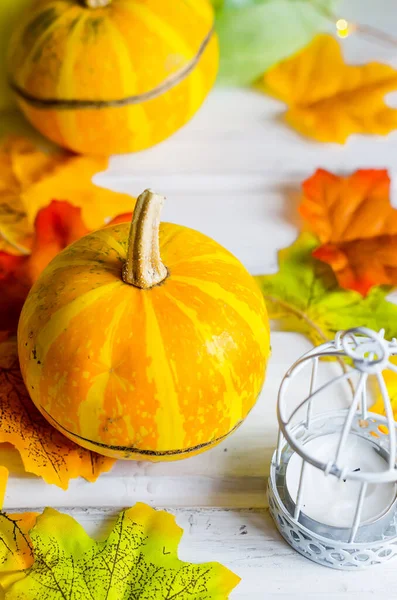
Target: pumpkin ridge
(71, 309)
(252, 319)
(131, 449)
(42, 39)
(162, 27)
(70, 104)
(128, 70)
(174, 40)
(66, 80)
(223, 258)
(65, 264)
(200, 9)
(105, 236)
(87, 415)
(223, 366)
(168, 418)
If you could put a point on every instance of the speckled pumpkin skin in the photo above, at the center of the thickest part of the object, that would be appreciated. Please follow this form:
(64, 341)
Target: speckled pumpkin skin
(157, 374)
(63, 51)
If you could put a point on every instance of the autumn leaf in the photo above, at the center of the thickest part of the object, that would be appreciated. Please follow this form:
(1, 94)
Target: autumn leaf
(15, 233)
(3, 484)
(44, 451)
(329, 100)
(30, 179)
(16, 552)
(137, 560)
(356, 224)
(56, 226)
(305, 296)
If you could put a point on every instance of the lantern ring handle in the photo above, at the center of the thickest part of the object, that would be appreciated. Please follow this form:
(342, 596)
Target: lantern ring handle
(369, 351)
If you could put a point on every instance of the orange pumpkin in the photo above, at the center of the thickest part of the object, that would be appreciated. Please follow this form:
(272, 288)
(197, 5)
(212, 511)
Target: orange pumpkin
(112, 76)
(135, 359)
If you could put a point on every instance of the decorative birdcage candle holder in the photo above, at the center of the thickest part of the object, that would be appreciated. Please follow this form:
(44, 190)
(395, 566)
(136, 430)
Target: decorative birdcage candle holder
(332, 487)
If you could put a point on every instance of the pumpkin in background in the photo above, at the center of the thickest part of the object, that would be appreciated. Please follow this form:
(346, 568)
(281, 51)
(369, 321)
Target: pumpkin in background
(112, 76)
(136, 358)
(10, 11)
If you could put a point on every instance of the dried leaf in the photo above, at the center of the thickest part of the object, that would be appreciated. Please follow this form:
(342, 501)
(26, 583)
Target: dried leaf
(72, 181)
(3, 483)
(14, 285)
(56, 226)
(305, 296)
(16, 552)
(356, 225)
(44, 451)
(30, 179)
(137, 560)
(329, 100)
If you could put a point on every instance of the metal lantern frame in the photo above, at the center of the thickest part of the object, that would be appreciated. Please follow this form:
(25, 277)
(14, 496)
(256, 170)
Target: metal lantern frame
(364, 353)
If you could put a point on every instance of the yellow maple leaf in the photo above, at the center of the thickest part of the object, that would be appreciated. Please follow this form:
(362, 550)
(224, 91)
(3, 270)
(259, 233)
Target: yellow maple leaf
(390, 378)
(30, 179)
(329, 100)
(16, 552)
(138, 559)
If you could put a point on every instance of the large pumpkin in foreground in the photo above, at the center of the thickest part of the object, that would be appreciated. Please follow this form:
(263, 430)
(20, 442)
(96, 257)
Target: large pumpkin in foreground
(112, 76)
(137, 358)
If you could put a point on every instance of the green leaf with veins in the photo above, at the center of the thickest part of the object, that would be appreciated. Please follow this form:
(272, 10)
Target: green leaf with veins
(305, 297)
(138, 561)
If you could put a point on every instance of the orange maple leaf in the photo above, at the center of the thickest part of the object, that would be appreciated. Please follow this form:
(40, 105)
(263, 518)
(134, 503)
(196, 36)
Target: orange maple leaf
(56, 226)
(44, 451)
(356, 225)
(329, 100)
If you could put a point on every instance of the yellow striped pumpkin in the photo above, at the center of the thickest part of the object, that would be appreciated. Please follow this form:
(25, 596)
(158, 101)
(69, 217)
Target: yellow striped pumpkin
(112, 76)
(134, 359)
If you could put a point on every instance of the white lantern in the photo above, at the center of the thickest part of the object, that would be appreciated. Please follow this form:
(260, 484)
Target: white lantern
(332, 487)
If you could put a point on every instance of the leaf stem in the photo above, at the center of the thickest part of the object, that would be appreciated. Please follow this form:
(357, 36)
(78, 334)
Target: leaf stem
(298, 313)
(301, 315)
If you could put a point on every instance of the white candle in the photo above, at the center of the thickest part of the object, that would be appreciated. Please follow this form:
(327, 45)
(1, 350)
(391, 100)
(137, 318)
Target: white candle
(332, 501)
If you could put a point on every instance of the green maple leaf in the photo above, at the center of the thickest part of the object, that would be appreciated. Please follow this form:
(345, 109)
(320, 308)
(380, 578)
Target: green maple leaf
(138, 561)
(305, 296)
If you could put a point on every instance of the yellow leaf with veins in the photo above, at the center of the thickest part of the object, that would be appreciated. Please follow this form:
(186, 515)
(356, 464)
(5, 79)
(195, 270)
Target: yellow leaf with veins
(329, 100)
(30, 179)
(139, 559)
(15, 547)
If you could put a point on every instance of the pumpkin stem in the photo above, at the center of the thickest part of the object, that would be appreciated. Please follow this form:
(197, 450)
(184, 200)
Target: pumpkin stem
(96, 3)
(143, 267)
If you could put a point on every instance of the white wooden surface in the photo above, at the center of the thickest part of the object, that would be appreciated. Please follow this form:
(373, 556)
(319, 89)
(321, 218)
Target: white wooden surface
(234, 173)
